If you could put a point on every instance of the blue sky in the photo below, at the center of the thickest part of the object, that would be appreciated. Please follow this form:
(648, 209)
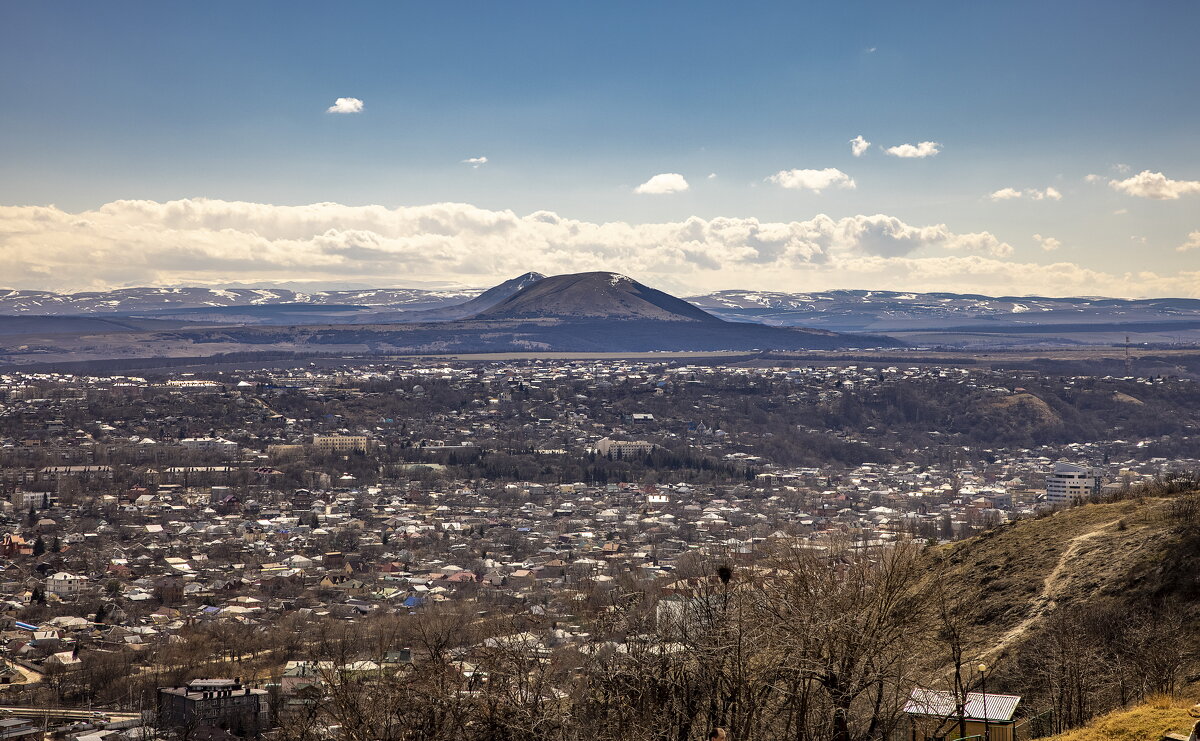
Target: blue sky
(223, 106)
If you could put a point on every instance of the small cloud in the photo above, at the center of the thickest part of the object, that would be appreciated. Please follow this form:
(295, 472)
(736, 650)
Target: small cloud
(1120, 212)
(1192, 243)
(859, 145)
(870, 49)
(475, 161)
(1008, 194)
(914, 151)
(1155, 185)
(712, 176)
(1122, 168)
(1049, 244)
(345, 105)
(814, 180)
(1092, 177)
(663, 184)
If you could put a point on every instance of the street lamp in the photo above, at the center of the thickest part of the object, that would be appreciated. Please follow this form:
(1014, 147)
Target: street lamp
(987, 730)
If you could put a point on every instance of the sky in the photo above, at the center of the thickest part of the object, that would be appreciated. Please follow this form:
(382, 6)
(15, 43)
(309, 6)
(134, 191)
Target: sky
(1002, 148)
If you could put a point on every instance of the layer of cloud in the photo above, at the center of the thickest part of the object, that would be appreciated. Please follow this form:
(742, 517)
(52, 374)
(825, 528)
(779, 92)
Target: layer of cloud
(859, 146)
(814, 180)
(1008, 194)
(663, 184)
(1192, 243)
(914, 151)
(1049, 244)
(211, 242)
(1155, 185)
(345, 105)
(475, 161)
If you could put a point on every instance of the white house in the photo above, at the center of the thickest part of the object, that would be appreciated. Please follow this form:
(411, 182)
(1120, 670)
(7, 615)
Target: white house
(65, 585)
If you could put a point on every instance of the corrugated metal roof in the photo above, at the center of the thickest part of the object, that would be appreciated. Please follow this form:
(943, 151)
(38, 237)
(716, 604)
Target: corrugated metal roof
(991, 707)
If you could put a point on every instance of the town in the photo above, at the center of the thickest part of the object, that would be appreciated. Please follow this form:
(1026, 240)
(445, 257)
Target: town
(212, 552)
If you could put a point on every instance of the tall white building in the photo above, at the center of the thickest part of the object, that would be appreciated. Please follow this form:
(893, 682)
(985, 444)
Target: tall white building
(1070, 483)
(623, 448)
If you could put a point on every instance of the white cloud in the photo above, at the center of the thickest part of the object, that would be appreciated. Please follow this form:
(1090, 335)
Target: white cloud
(1192, 243)
(345, 105)
(1008, 194)
(859, 145)
(914, 151)
(475, 161)
(210, 242)
(712, 176)
(871, 49)
(1148, 184)
(814, 180)
(1092, 177)
(1049, 244)
(662, 184)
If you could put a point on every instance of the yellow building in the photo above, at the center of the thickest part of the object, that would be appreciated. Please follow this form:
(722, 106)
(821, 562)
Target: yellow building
(340, 443)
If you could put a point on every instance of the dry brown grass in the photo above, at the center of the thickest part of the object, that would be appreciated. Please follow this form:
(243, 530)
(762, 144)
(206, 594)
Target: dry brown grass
(1071, 557)
(1145, 722)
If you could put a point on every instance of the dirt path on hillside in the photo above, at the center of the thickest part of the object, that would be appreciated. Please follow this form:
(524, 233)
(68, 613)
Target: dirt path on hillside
(1046, 599)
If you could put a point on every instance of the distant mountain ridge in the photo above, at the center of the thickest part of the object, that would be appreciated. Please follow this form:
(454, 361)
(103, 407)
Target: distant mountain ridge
(146, 299)
(840, 310)
(878, 311)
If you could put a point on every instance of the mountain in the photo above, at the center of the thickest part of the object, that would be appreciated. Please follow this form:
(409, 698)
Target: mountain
(592, 296)
(583, 313)
(887, 311)
(151, 301)
(482, 302)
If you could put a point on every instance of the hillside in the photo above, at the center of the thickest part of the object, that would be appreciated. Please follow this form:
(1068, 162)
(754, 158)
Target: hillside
(1106, 593)
(1146, 722)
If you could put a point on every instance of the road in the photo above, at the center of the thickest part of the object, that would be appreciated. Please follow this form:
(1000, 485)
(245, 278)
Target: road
(22, 711)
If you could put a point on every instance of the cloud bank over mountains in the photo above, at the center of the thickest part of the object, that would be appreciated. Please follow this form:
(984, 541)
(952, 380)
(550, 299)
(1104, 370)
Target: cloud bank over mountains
(201, 241)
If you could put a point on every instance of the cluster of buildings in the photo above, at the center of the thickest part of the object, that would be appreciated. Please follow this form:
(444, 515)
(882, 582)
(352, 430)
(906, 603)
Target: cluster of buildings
(137, 510)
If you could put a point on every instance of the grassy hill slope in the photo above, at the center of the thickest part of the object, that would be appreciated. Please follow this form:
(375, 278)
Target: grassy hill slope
(1145, 722)
(1088, 609)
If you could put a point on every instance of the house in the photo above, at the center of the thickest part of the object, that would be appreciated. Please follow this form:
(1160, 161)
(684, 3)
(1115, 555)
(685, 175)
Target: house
(934, 715)
(65, 659)
(63, 584)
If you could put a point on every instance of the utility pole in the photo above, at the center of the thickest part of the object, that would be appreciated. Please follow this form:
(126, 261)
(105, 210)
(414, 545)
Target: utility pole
(1128, 358)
